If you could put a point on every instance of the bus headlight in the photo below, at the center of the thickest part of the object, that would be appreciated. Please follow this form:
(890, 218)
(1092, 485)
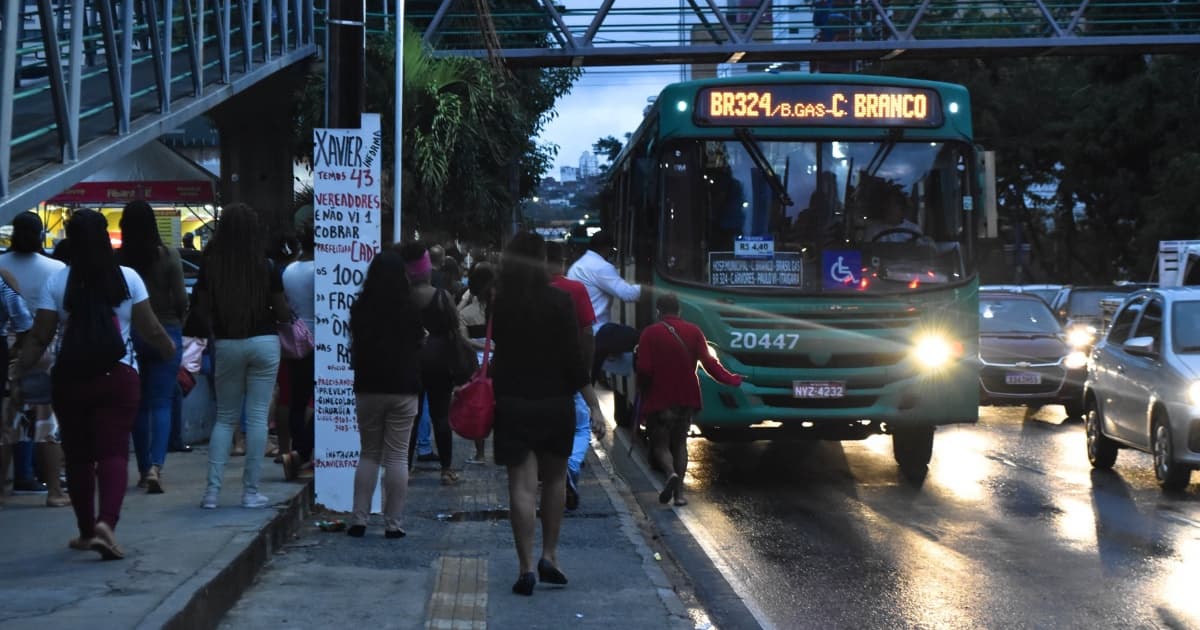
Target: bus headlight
(1080, 337)
(935, 351)
(1075, 360)
(1194, 393)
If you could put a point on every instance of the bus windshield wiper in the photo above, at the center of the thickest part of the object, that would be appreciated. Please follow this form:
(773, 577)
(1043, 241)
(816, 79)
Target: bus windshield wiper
(760, 160)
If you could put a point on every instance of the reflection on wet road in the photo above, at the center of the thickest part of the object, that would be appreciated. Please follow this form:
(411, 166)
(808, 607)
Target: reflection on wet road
(1011, 528)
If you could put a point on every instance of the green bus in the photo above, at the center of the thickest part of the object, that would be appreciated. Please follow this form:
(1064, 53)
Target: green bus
(821, 230)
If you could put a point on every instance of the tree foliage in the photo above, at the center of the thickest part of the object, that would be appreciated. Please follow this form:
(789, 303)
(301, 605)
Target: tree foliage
(469, 153)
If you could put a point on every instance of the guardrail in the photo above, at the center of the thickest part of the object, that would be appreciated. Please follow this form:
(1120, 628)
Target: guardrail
(80, 79)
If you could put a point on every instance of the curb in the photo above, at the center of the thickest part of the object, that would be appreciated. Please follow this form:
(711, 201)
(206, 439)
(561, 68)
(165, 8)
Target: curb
(626, 506)
(203, 600)
(713, 588)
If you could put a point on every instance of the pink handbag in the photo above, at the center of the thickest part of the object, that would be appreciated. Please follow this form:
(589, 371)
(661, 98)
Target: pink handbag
(473, 407)
(295, 339)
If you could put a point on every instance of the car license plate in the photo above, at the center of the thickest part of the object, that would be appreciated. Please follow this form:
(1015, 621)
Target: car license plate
(1023, 378)
(818, 389)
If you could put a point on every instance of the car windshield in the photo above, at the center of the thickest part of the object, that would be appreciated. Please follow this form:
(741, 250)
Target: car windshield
(817, 217)
(1185, 327)
(1001, 316)
(1086, 302)
(1047, 295)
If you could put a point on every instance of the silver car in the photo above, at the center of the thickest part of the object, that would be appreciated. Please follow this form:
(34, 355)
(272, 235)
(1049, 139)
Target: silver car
(1143, 384)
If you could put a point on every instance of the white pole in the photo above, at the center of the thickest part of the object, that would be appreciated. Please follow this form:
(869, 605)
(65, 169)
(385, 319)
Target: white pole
(398, 123)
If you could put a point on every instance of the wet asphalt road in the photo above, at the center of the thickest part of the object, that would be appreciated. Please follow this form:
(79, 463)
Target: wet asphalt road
(1010, 529)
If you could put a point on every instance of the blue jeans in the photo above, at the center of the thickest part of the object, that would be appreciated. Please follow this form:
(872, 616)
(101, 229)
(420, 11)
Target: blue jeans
(245, 375)
(583, 438)
(424, 430)
(152, 427)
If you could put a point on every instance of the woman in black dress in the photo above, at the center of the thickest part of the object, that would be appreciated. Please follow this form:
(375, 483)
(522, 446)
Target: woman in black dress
(536, 373)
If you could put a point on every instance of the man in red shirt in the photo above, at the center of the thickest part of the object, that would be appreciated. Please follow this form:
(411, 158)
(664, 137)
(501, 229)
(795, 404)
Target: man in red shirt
(587, 405)
(667, 355)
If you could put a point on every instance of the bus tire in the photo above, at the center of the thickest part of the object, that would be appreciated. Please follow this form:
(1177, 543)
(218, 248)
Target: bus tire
(913, 447)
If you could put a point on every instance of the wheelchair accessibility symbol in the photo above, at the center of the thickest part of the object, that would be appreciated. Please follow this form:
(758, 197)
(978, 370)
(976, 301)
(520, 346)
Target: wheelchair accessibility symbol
(843, 268)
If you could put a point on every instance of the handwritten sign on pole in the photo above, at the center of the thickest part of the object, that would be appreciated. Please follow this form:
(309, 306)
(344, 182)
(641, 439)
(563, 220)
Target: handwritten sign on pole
(346, 209)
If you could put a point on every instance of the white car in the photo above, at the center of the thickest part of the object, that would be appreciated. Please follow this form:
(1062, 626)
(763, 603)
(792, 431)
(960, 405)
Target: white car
(1143, 384)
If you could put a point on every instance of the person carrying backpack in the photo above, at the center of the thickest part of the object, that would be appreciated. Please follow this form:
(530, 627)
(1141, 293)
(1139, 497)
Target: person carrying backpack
(95, 386)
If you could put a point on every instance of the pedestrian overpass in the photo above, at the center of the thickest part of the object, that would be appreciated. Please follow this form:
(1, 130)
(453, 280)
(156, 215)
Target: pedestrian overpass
(85, 82)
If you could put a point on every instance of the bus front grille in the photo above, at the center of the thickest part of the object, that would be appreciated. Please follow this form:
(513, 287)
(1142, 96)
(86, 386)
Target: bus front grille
(802, 361)
(848, 402)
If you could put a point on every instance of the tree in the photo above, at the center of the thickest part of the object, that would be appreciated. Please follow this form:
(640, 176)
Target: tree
(468, 153)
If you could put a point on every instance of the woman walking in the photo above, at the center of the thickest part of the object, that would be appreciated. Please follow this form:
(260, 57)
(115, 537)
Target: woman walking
(242, 294)
(440, 318)
(162, 272)
(473, 313)
(538, 368)
(95, 388)
(385, 340)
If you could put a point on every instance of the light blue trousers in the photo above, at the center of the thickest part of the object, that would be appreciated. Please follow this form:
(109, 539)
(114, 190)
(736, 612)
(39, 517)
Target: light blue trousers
(245, 374)
(583, 437)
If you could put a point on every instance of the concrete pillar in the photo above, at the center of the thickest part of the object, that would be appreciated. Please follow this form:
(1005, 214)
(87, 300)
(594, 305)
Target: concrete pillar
(256, 147)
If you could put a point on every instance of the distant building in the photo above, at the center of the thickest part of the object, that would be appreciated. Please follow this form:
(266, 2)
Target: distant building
(589, 166)
(568, 174)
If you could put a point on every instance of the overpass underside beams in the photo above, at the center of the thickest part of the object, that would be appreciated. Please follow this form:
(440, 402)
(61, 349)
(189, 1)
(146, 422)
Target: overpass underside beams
(84, 82)
(628, 32)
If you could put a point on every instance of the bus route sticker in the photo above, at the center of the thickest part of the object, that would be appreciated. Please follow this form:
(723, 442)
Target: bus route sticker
(726, 269)
(841, 268)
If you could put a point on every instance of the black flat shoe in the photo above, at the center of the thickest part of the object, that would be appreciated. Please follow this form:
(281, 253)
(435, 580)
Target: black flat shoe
(550, 574)
(524, 584)
(357, 531)
(394, 533)
(669, 489)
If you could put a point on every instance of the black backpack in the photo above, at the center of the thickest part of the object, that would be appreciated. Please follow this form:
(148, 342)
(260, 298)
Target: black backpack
(91, 343)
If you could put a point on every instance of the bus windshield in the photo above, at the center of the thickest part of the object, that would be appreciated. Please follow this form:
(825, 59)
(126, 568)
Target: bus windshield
(817, 217)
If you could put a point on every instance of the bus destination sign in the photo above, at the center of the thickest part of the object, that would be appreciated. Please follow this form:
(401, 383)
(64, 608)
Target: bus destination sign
(826, 105)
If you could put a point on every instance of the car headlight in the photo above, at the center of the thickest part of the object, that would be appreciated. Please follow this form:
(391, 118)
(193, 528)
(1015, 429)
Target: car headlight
(935, 351)
(1080, 337)
(1194, 393)
(1075, 360)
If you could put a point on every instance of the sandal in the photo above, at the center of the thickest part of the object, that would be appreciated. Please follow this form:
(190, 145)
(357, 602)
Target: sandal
(449, 477)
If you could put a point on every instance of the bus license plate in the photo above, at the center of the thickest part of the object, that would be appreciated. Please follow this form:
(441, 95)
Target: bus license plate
(818, 389)
(1022, 378)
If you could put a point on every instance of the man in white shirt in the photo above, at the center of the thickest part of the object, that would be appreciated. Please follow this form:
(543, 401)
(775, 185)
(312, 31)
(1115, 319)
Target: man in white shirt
(603, 283)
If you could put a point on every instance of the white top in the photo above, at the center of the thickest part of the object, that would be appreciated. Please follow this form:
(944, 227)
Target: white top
(56, 288)
(603, 283)
(298, 281)
(31, 272)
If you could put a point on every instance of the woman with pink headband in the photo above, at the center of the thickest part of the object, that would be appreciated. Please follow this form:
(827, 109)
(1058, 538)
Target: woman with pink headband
(440, 318)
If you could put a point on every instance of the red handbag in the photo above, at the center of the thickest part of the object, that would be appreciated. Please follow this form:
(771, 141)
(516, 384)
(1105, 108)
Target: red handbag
(473, 406)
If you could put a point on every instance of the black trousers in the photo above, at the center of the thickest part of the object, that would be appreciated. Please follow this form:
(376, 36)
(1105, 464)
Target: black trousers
(612, 339)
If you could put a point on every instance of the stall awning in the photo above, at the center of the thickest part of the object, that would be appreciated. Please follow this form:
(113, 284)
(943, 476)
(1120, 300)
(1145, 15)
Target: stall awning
(153, 173)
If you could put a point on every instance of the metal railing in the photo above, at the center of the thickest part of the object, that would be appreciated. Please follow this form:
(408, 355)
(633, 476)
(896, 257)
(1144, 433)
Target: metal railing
(88, 80)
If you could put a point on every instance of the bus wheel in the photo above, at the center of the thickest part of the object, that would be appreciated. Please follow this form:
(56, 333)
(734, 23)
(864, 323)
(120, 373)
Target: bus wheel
(912, 447)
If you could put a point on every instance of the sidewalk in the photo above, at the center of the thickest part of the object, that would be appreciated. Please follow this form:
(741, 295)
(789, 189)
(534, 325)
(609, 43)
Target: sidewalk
(183, 566)
(456, 567)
